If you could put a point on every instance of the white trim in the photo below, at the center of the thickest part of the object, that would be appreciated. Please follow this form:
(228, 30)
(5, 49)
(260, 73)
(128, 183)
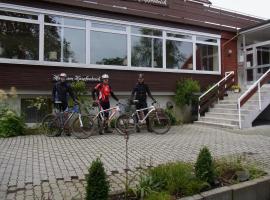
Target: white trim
(255, 29)
(87, 42)
(258, 44)
(17, 19)
(73, 15)
(194, 67)
(41, 37)
(129, 46)
(219, 57)
(64, 26)
(164, 48)
(92, 66)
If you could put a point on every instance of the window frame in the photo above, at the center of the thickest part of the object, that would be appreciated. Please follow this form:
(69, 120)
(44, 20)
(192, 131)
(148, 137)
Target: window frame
(41, 12)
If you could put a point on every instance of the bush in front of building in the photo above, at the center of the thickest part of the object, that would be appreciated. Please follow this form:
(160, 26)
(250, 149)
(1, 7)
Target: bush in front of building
(204, 167)
(97, 183)
(11, 124)
(185, 90)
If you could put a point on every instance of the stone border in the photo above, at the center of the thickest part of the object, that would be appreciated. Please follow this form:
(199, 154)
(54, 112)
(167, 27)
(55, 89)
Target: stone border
(257, 189)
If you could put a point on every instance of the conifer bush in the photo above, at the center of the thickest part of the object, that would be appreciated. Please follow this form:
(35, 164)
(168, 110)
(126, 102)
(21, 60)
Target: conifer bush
(204, 167)
(97, 183)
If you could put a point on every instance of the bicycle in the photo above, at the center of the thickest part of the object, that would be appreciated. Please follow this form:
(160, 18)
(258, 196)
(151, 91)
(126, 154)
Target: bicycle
(159, 121)
(99, 118)
(58, 122)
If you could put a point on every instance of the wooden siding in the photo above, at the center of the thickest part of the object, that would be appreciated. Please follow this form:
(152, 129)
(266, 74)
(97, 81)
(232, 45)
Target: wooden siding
(25, 77)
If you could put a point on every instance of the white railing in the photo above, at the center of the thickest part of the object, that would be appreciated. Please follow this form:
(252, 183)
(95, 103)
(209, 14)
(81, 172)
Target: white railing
(227, 75)
(245, 94)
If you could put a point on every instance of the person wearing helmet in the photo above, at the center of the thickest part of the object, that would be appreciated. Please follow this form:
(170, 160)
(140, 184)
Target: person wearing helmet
(102, 93)
(61, 91)
(140, 91)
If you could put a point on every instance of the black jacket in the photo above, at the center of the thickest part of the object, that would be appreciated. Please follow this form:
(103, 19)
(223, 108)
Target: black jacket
(61, 90)
(141, 90)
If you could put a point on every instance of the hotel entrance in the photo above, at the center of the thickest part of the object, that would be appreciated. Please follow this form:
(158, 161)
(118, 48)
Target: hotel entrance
(254, 55)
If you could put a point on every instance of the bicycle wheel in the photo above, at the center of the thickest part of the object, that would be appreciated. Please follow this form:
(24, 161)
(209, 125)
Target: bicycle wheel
(50, 125)
(160, 122)
(125, 124)
(84, 131)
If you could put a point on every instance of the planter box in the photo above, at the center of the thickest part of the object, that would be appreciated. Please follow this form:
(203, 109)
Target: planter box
(258, 189)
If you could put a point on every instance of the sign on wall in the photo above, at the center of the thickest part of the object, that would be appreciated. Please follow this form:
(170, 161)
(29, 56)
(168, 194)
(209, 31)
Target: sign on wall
(154, 2)
(79, 78)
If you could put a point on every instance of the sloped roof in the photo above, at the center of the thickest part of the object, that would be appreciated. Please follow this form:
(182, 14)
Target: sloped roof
(178, 11)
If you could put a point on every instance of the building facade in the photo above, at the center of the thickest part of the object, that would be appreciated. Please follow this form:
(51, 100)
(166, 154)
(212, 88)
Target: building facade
(167, 40)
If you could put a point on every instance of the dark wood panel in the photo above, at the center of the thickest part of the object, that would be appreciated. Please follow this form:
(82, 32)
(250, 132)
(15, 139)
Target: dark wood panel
(26, 77)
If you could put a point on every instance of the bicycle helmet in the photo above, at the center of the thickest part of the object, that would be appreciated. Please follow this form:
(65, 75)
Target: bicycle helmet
(105, 76)
(63, 75)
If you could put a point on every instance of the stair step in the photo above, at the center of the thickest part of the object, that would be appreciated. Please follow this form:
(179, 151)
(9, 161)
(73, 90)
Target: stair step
(224, 115)
(219, 125)
(232, 111)
(220, 120)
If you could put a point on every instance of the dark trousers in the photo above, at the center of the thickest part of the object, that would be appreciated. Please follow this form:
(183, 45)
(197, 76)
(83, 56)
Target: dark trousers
(61, 106)
(105, 106)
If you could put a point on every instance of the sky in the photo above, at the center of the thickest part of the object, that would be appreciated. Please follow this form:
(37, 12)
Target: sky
(258, 8)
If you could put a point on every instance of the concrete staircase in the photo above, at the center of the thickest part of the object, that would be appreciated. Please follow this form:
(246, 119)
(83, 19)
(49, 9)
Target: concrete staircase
(225, 113)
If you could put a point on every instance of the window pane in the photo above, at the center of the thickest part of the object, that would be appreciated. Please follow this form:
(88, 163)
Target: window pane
(108, 26)
(53, 19)
(207, 57)
(19, 40)
(145, 31)
(74, 22)
(205, 39)
(146, 52)
(16, 14)
(176, 35)
(108, 48)
(52, 44)
(179, 55)
(263, 55)
(74, 45)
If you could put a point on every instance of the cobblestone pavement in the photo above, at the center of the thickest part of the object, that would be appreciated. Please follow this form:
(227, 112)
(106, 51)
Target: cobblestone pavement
(39, 167)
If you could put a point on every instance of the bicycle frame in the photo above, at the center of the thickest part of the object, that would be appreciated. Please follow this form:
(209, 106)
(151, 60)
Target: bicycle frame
(150, 108)
(71, 114)
(114, 110)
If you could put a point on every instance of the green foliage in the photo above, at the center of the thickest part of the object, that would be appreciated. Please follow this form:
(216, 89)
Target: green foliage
(40, 103)
(174, 178)
(204, 167)
(97, 183)
(113, 123)
(159, 196)
(185, 92)
(226, 169)
(11, 124)
(79, 88)
(172, 116)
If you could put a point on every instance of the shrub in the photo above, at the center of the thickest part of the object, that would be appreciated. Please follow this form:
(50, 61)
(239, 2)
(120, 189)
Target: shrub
(159, 196)
(97, 183)
(174, 178)
(172, 117)
(204, 167)
(184, 92)
(11, 124)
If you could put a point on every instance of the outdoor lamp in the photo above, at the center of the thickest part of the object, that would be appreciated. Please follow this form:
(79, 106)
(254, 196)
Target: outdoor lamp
(229, 52)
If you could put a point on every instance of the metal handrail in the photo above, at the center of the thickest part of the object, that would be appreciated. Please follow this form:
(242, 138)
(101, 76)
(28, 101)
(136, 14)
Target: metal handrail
(256, 84)
(227, 75)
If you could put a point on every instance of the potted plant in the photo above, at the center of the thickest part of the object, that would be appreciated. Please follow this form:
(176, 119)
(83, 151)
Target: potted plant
(236, 88)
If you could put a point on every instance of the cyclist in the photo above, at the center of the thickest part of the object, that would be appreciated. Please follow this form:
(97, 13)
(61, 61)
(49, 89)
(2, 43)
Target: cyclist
(102, 92)
(141, 90)
(61, 91)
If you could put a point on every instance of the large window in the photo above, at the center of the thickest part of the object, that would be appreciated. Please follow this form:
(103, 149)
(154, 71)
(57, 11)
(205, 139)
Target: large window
(49, 38)
(19, 40)
(263, 55)
(207, 57)
(108, 44)
(146, 50)
(179, 55)
(64, 39)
